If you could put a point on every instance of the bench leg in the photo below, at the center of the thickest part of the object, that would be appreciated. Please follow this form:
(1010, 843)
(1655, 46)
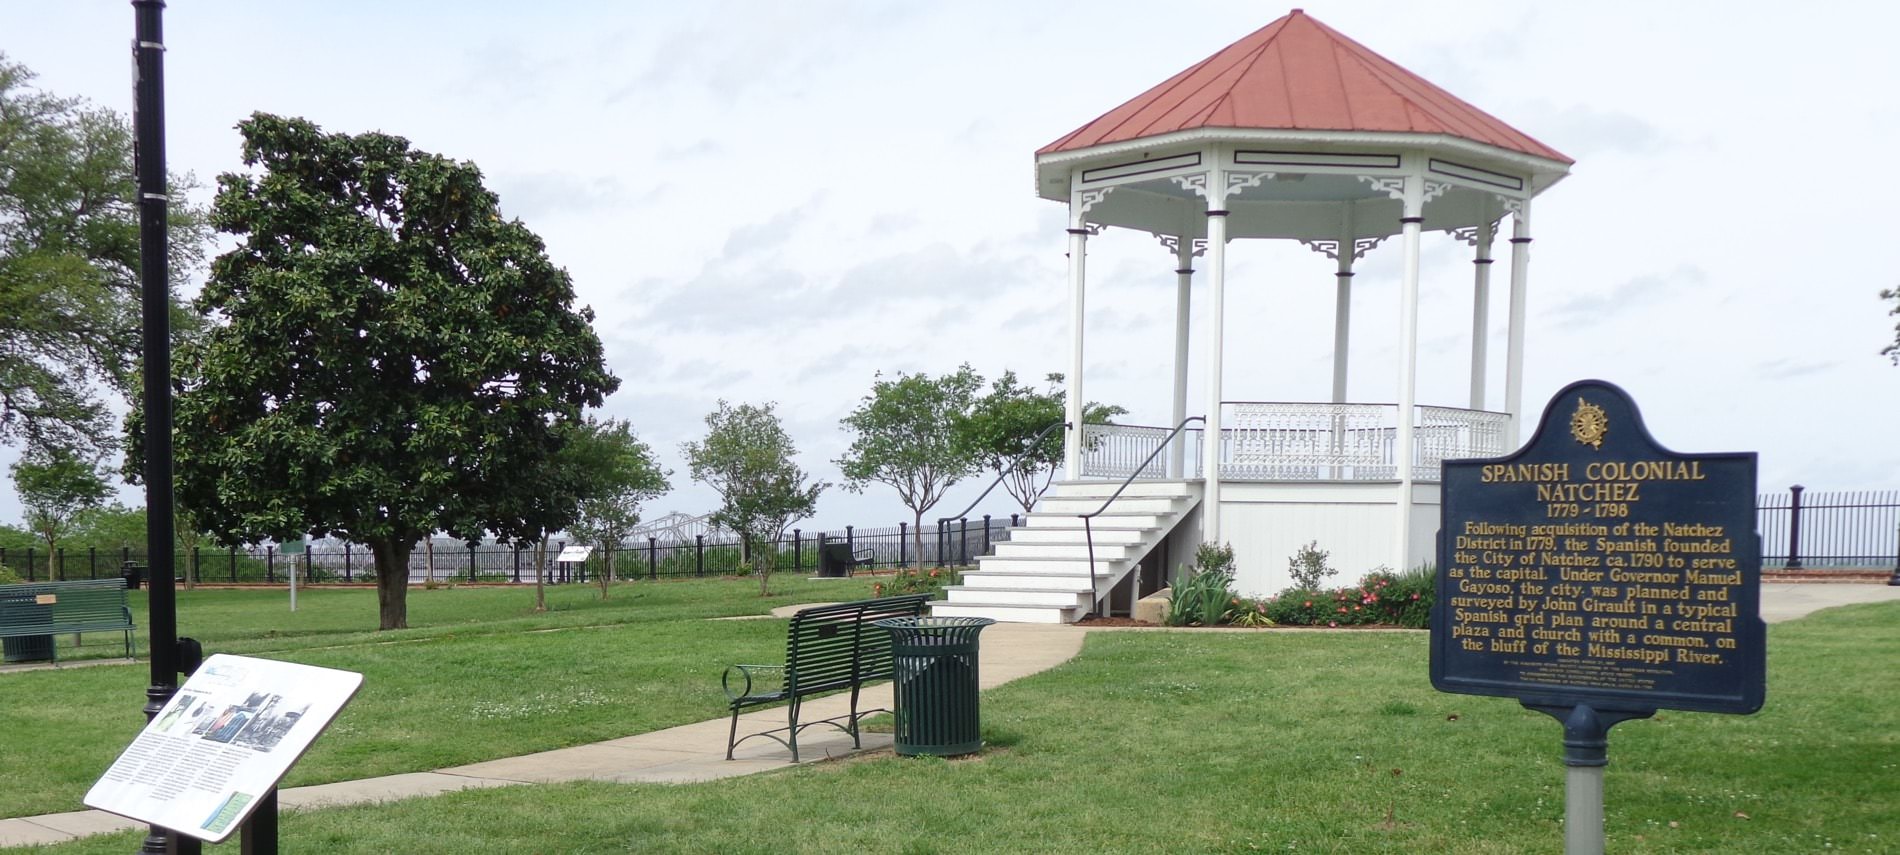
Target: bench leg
(732, 736)
(792, 714)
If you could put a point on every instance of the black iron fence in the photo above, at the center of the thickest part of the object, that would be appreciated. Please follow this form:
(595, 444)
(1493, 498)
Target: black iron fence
(1807, 530)
(454, 560)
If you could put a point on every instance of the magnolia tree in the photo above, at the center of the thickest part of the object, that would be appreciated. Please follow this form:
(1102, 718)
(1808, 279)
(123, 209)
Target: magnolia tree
(747, 458)
(1008, 432)
(387, 356)
(906, 436)
(622, 475)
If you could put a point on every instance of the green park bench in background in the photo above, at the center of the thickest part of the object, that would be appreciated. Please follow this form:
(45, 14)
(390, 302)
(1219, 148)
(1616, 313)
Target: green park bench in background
(827, 649)
(32, 612)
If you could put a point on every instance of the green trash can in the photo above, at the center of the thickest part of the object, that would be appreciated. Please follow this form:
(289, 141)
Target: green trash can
(936, 691)
(25, 648)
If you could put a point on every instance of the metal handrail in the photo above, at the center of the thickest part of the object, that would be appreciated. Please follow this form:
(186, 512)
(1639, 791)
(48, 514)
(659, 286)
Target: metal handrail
(1000, 475)
(1088, 530)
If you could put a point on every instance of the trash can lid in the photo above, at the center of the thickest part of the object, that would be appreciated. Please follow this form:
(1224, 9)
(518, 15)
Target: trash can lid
(933, 622)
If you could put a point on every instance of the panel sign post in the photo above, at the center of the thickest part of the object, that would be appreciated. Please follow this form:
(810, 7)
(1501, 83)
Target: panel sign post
(1597, 576)
(216, 750)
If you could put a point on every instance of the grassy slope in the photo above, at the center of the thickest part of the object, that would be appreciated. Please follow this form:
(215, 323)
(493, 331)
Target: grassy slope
(1241, 742)
(474, 679)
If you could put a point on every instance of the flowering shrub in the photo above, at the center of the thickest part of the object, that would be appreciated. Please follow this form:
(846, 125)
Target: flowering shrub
(909, 580)
(1382, 597)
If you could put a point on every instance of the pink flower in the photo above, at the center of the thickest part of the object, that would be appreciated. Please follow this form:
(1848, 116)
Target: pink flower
(1333, 623)
(1342, 610)
(1414, 596)
(1309, 604)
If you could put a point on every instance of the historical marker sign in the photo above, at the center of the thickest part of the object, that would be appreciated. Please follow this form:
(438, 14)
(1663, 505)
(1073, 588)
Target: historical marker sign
(221, 743)
(1595, 567)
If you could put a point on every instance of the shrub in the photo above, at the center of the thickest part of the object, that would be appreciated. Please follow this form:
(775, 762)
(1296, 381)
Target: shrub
(1382, 597)
(1204, 594)
(909, 580)
(1308, 567)
(7, 576)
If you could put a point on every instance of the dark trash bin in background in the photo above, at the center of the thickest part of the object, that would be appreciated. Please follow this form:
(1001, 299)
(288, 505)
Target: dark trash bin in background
(26, 648)
(935, 693)
(133, 573)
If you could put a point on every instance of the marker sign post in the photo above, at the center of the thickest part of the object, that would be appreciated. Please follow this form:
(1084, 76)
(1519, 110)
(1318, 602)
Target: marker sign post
(217, 749)
(1598, 577)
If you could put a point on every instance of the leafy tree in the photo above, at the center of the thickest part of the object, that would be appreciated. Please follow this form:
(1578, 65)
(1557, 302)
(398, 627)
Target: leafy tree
(69, 260)
(622, 474)
(907, 436)
(1892, 351)
(388, 356)
(747, 457)
(55, 485)
(1004, 423)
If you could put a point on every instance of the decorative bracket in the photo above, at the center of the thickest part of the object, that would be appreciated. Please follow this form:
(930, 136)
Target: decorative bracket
(1238, 181)
(1433, 190)
(1390, 186)
(1469, 234)
(1196, 184)
(1330, 248)
(1089, 198)
(1173, 244)
(1511, 204)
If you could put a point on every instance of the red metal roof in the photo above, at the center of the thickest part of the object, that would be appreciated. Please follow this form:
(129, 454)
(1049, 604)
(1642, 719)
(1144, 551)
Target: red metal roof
(1299, 74)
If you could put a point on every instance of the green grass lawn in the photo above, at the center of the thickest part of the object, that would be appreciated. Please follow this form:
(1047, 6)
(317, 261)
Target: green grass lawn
(1220, 742)
(479, 675)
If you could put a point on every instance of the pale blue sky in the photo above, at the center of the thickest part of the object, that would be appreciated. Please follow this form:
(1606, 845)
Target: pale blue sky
(771, 201)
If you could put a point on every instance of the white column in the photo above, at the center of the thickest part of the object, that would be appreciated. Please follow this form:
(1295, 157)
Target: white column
(1411, 220)
(1342, 302)
(1078, 253)
(1481, 312)
(1183, 295)
(1217, 286)
(1514, 347)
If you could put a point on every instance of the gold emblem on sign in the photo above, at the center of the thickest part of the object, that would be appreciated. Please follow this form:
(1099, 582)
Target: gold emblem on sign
(1588, 424)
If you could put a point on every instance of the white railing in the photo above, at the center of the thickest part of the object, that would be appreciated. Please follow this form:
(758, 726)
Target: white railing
(1304, 442)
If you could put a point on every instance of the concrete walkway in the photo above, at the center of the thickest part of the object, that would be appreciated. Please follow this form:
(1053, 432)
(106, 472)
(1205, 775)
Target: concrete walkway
(684, 754)
(697, 752)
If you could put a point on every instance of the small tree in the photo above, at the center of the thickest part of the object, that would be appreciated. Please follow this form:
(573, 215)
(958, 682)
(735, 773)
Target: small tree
(747, 457)
(1003, 426)
(907, 437)
(55, 485)
(622, 474)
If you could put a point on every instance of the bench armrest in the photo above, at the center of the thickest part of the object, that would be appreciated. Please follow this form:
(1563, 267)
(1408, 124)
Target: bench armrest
(754, 681)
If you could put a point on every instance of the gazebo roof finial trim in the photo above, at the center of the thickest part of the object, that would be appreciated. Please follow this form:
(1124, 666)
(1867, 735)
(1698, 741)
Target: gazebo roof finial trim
(1299, 74)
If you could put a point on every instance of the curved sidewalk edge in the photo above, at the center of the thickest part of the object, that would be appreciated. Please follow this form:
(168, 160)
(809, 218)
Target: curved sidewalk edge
(676, 755)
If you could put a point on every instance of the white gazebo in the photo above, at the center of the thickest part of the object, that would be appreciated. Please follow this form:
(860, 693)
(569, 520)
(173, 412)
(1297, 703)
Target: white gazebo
(1295, 132)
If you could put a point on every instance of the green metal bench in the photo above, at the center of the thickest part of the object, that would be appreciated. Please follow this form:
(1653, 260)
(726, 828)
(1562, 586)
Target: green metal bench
(53, 608)
(827, 649)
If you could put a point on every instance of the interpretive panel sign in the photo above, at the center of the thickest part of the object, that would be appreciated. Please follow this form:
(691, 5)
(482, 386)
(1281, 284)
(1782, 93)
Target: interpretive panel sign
(574, 553)
(1595, 567)
(222, 742)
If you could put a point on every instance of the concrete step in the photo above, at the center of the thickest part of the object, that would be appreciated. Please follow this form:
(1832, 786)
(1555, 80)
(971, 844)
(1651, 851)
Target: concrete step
(1044, 581)
(1019, 596)
(1007, 565)
(1111, 519)
(1069, 549)
(1006, 612)
(1103, 489)
(1126, 504)
(1102, 534)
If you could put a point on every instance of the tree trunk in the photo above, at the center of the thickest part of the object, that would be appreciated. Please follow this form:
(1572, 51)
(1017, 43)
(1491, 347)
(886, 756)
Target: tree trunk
(917, 538)
(606, 575)
(428, 558)
(540, 574)
(392, 581)
(761, 566)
